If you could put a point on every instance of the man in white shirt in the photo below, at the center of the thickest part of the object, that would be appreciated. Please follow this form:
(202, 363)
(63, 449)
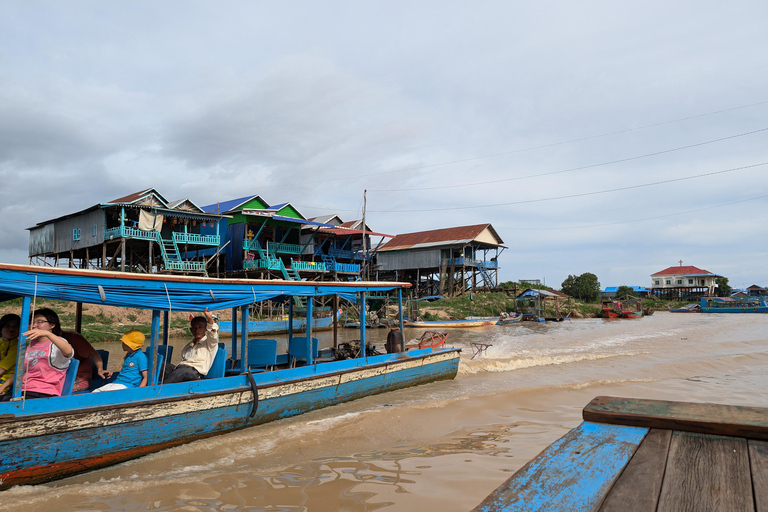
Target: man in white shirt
(197, 356)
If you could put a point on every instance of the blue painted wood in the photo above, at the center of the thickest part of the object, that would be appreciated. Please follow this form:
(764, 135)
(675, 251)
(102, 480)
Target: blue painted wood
(279, 326)
(572, 474)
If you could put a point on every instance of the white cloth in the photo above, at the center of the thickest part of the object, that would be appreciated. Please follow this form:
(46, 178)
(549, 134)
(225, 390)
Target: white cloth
(150, 221)
(112, 386)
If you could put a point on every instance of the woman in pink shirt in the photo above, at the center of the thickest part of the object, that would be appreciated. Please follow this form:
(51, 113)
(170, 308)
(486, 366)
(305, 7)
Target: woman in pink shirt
(47, 357)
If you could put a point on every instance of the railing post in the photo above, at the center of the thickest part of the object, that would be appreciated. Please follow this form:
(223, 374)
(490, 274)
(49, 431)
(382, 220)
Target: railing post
(26, 304)
(362, 325)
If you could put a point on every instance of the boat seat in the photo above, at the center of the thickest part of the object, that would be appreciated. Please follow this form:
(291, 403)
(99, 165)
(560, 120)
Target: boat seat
(297, 350)
(166, 351)
(262, 355)
(219, 364)
(69, 380)
(161, 358)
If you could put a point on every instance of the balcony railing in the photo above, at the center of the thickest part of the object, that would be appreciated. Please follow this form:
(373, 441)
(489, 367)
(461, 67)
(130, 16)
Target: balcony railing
(278, 247)
(197, 239)
(344, 267)
(269, 263)
(470, 262)
(128, 232)
(185, 266)
(315, 266)
(251, 244)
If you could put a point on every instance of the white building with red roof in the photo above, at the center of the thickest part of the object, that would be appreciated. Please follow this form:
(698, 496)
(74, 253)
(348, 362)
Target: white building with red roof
(684, 281)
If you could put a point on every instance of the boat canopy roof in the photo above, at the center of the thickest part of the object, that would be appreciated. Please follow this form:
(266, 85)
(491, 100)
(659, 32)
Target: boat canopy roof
(163, 292)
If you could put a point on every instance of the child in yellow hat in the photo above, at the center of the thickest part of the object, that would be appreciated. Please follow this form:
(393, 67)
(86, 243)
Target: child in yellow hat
(135, 364)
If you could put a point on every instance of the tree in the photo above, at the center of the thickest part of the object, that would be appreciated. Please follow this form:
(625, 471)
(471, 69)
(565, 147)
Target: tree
(625, 291)
(723, 288)
(585, 287)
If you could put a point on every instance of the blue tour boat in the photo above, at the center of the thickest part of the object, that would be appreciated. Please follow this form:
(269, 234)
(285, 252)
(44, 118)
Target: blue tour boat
(733, 305)
(49, 438)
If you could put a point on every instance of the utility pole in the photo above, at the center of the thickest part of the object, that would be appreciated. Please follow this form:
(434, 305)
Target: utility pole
(365, 258)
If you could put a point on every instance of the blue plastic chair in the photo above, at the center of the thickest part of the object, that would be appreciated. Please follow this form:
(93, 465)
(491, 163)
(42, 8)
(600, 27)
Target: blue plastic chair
(69, 380)
(297, 350)
(161, 350)
(166, 351)
(262, 355)
(219, 364)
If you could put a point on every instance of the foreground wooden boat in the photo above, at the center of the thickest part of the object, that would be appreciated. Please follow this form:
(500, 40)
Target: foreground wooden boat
(45, 439)
(647, 455)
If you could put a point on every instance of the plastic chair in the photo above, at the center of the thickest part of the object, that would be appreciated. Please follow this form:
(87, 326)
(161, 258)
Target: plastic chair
(166, 351)
(161, 350)
(69, 380)
(262, 355)
(219, 364)
(297, 350)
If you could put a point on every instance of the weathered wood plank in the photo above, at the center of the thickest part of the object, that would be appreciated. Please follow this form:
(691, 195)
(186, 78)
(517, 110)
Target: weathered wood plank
(572, 474)
(638, 487)
(724, 420)
(706, 473)
(758, 459)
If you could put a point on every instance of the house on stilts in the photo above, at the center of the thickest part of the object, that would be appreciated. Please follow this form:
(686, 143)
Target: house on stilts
(449, 261)
(140, 232)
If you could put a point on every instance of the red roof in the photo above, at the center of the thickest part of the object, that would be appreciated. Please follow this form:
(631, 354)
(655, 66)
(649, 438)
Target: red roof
(462, 234)
(682, 270)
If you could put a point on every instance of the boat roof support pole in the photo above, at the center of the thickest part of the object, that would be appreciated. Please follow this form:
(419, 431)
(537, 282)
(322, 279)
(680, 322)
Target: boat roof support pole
(335, 321)
(246, 314)
(166, 328)
(153, 344)
(290, 319)
(234, 326)
(79, 317)
(310, 351)
(26, 305)
(362, 324)
(400, 317)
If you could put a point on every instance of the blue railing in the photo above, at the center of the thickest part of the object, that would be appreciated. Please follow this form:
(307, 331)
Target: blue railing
(269, 263)
(185, 266)
(127, 232)
(344, 267)
(473, 262)
(195, 238)
(314, 266)
(278, 247)
(251, 244)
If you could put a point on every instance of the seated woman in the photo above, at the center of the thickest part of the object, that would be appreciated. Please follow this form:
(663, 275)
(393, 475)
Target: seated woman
(47, 357)
(88, 358)
(9, 346)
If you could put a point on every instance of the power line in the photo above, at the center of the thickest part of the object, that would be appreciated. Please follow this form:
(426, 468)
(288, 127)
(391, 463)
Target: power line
(529, 201)
(592, 166)
(637, 220)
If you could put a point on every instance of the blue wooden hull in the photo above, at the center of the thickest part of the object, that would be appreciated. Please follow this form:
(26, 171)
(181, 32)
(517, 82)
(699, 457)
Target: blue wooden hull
(748, 305)
(280, 326)
(59, 437)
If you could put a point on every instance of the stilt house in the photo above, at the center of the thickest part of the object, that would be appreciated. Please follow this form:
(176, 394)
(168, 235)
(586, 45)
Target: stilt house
(139, 232)
(448, 261)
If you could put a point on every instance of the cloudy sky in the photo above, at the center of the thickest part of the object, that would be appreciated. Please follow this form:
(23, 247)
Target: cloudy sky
(608, 137)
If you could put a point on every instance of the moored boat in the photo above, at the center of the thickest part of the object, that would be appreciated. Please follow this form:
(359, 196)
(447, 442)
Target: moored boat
(510, 318)
(688, 308)
(49, 438)
(731, 305)
(443, 324)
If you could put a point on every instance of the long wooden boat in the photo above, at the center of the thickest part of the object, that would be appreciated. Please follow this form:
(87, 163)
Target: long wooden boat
(281, 326)
(511, 318)
(647, 455)
(729, 305)
(444, 324)
(492, 320)
(49, 438)
(688, 308)
(631, 314)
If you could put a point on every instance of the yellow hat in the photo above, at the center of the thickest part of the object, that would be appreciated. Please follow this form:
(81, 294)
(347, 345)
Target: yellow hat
(133, 338)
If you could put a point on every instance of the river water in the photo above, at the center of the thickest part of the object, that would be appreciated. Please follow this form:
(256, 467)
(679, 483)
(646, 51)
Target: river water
(443, 446)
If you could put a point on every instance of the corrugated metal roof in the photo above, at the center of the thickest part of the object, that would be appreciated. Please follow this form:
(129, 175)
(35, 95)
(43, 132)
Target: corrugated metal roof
(446, 236)
(132, 198)
(225, 206)
(683, 270)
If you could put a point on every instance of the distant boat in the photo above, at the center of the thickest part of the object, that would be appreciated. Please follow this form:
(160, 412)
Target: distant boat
(688, 308)
(730, 305)
(492, 319)
(510, 318)
(442, 324)
(280, 325)
(631, 314)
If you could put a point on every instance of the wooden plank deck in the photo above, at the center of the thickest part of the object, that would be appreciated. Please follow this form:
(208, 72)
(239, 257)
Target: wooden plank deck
(648, 456)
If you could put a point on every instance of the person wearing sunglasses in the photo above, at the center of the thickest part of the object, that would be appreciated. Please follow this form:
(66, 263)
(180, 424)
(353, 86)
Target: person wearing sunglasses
(47, 358)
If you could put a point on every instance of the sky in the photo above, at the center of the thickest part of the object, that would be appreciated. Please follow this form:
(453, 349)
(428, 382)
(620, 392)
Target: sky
(610, 137)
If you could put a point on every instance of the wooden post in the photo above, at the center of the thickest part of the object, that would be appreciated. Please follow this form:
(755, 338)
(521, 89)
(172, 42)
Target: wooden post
(335, 321)
(87, 258)
(122, 255)
(79, 317)
(362, 324)
(151, 243)
(104, 255)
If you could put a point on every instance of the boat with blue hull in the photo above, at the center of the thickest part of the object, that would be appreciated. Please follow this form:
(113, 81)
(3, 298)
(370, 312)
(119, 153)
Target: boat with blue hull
(731, 305)
(49, 438)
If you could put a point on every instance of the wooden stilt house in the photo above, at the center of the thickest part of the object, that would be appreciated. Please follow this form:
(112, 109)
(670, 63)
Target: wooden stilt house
(448, 261)
(140, 232)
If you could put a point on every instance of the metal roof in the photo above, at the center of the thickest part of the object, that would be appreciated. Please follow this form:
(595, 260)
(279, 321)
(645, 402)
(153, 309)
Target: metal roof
(461, 235)
(684, 270)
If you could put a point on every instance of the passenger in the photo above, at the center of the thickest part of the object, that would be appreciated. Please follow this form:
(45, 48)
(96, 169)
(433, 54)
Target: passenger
(135, 364)
(9, 347)
(88, 357)
(197, 356)
(47, 357)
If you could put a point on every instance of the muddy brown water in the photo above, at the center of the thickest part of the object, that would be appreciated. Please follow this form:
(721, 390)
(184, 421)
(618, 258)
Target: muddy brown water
(439, 447)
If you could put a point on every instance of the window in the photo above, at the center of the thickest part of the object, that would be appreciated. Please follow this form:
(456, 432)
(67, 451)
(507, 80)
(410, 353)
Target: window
(657, 282)
(94, 230)
(679, 281)
(669, 281)
(76, 234)
(690, 281)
